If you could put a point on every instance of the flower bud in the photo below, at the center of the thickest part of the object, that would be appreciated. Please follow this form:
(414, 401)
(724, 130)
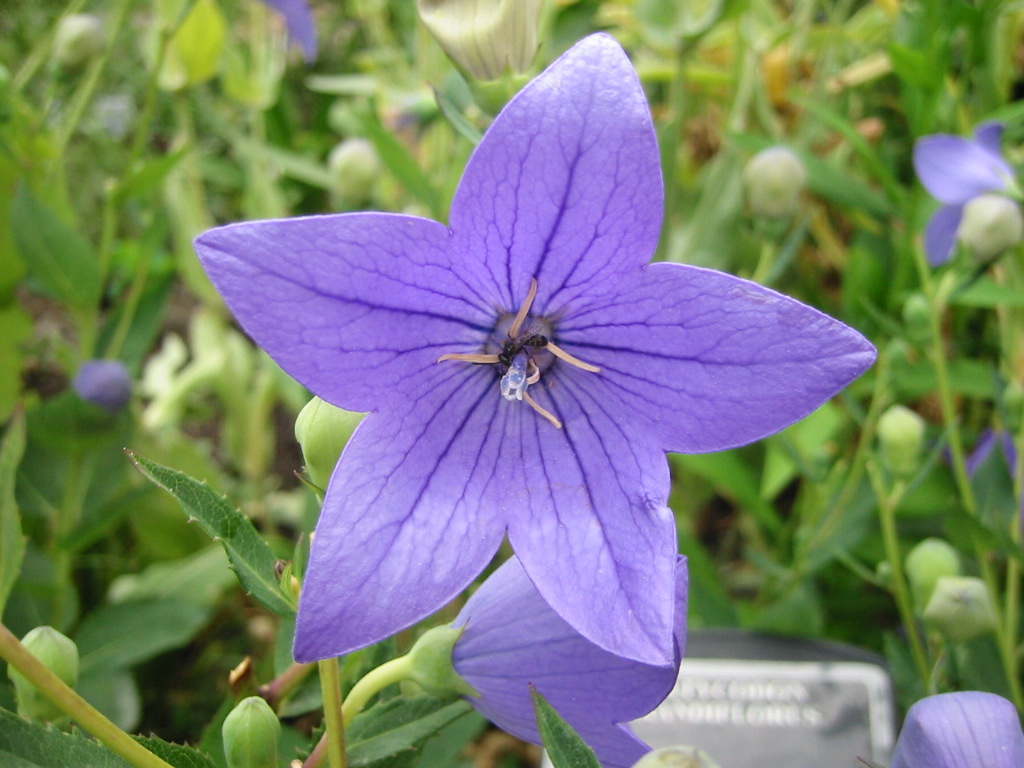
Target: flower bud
(251, 732)
(104, 383)
(322, 431)
(59, 654)
(676, 757)
(901, 435)
(990, 225)
(774, 179)
(925, 564)
(917, 318)
(354, 165)
(484, 38)
(960, 608)
(80, 38)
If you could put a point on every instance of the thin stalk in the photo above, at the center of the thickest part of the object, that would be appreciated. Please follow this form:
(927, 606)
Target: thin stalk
(330, 682)
(281, 687)
(44, 51)
(887, 503)
(73, 705)
(389, 673)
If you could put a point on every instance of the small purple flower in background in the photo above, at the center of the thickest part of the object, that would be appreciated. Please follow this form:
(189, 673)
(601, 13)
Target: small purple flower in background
(105, 383)
(956, 170)
(526, 370)
(300, 22)
(961, 730)
(989, 440)
(513, 639)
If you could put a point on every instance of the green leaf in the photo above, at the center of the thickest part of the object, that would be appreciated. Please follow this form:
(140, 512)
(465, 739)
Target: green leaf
(389, 734)
(565, 746)
(178, 755)
(249, 554)
(987, 293)
(124, 634)
(15, 330)
(56, 255)
(147, 177)
(12, 540)
(24, 744)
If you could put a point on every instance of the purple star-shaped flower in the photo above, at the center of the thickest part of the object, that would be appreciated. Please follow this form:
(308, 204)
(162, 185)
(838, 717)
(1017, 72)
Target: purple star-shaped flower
(513, 639)
(961, 730)
(526, 370)
(105, 383)
(301, 26)
(954, 170)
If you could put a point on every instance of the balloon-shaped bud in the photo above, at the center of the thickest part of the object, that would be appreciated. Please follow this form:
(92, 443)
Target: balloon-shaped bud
(59, 654)
(251, 732)
(990, 225)
(79, 39)
(485, 39)
(676, 757)
(104, 383)
(774, 179)
(354, 165)
(929, 561)
(901, 436)
(323, 430)
(960, 608)
(917, 317)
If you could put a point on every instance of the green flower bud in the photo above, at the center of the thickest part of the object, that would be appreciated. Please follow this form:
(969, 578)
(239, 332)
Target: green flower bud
(676, 757)
(322, 431)
(484, 37)
(901, 435)
(925, 564)
(354, 166)
(774, 179)
(431, 666)
(990, 225)
(917, 318)
(960, 608)
(59, 654)
(251, 732)
(80, 38)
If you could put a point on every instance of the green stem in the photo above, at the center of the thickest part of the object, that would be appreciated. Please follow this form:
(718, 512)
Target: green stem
(887, 503)
(44, 51)
(330, 682)
(281, 687)
(77, 708)
(376, 680)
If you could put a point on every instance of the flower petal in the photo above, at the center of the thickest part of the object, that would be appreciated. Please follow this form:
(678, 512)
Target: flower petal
(301, 26)
(513, 638)
(354, 306)
(989, 136)
(940, 234)
(409, 520)
(961, 730)
(707, 361)
(590, 523)
(566, 185)
(954, 169)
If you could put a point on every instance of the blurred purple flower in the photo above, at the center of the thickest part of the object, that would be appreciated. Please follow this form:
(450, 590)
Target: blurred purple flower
(301, 26)
(105, 383)
(989, 440)
(513, 639)
(540, 292)
(961, 730)
(954, 170)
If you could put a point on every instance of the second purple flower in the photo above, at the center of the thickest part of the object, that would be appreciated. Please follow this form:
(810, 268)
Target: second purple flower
(525, 368)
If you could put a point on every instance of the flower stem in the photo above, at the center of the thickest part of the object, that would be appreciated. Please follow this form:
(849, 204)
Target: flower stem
(330, 682)
(77, 708)
(280, 687)
(373, 682)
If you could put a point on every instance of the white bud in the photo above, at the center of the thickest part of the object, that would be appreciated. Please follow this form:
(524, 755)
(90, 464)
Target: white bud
(990, 225)
(354, 166)
(485, 37)
(901, 436)
(960, 608)
(676, 757)
(79, 38)
(774, 179)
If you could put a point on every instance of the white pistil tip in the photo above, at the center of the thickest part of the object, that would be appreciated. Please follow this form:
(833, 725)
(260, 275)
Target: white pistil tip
(514, 383)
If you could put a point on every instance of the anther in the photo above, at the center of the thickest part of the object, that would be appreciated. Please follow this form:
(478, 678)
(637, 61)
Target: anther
(469, 358)
(542, 411)
(560, 353)
(524, 310)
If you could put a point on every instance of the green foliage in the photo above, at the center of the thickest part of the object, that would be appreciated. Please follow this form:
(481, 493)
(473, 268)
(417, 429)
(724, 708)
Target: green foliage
(565, 746)
(24, 744)
(12, 541)
(389, 734)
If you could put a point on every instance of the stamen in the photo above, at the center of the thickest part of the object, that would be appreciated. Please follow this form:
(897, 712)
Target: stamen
(558, 352)
(535, 375)
(524, 310)
(470, 358)
(514, 382)
(542, 411)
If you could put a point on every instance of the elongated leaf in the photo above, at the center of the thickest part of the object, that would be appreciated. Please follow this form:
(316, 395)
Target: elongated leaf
(55, 254)
(24, 744)
(402, 164)
(12, 541)
(178, 755)
(565, 747)
(390, 733)
(249, 554)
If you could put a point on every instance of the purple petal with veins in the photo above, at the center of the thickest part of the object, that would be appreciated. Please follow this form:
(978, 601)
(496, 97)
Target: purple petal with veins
(540, 290)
